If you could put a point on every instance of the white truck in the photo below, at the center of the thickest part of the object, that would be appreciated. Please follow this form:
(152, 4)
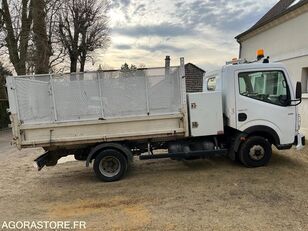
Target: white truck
(107, 117)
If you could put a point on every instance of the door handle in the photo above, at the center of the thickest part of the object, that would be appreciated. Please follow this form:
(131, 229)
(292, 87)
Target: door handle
(242, 117)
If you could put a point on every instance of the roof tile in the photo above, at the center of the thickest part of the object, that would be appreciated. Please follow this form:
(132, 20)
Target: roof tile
(281, 8)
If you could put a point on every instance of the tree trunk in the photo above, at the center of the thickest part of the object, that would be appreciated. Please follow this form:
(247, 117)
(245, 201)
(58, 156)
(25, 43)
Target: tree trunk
(73, 64)
(82, 62)
(43, 48)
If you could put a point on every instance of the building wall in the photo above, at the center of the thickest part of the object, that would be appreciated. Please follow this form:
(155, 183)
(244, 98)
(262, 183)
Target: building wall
(287, 39)
(286, 43)
(194, 78)
(297, 69)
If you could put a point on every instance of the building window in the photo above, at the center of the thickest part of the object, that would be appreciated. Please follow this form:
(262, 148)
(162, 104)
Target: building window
(305, 80)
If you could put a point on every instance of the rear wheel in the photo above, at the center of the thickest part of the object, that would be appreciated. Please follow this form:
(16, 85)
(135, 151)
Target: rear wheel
(110, 165)
(256, 151)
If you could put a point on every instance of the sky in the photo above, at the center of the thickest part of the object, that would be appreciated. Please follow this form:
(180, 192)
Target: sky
(202, 31)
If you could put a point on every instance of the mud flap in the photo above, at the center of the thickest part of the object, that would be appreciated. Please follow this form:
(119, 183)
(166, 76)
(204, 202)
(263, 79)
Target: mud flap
(47, 159)
(41, 161)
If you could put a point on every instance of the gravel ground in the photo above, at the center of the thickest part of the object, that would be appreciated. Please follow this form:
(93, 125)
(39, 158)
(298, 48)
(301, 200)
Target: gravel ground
(5, 141)
(214, 194)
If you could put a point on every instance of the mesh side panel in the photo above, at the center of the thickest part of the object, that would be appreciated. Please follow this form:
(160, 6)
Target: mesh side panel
(95, 95)
(77, 97)
(164, 92)
(123, 94)
(34, 101)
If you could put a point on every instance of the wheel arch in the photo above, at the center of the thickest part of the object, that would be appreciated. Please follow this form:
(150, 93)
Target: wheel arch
(259, 130)
(117, 146)
(264, 131)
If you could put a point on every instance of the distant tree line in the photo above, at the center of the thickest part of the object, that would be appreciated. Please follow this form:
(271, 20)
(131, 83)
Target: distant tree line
(37, 36)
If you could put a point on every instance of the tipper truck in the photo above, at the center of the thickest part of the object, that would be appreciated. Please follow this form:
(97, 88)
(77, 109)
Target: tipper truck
(105, 118)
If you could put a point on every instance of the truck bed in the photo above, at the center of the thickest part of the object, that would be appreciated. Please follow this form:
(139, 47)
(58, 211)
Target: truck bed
(76, 109)
(85, 132)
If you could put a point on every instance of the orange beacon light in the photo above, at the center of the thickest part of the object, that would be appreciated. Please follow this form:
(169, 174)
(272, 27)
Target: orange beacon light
(260, 54)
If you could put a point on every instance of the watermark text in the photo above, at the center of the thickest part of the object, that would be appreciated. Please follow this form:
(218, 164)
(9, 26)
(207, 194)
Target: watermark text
(43, 225)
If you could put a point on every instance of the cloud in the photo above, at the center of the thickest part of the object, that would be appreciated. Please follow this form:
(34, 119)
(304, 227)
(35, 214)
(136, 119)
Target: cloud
(220, 14)
(123, 47)
(161, 47)
(156, 47)
(203, 31)
(120, 3)
(140, 9)
(161, 30)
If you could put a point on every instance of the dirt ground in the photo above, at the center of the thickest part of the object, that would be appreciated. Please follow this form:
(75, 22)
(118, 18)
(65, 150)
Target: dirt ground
(214, 194)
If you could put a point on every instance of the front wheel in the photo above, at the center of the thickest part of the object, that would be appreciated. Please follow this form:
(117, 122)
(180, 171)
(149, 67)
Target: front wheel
(110, 165)
(256, 151)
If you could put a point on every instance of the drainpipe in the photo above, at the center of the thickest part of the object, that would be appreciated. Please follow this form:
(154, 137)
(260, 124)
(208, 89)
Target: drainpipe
(240, 52)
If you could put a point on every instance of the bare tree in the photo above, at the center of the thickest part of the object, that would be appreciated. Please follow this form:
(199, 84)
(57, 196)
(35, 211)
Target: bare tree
(40, 38)
(82, 29)
(43, 40)
(94, 30)
(38, 35)
(69, 31)
(16, 32)
(52, 23)
(44, 43)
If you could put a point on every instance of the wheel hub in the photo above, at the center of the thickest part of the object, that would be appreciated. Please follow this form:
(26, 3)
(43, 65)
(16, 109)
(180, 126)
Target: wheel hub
(109, 166)
(257, 152)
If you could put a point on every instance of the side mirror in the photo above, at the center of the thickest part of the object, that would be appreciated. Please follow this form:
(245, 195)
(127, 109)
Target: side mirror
(298, 92)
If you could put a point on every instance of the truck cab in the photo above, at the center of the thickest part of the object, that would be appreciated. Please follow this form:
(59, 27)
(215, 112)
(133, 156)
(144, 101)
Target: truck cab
(259, 99)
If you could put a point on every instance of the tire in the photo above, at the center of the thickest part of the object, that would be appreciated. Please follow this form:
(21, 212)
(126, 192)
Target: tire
(110, 165)
(256, 151)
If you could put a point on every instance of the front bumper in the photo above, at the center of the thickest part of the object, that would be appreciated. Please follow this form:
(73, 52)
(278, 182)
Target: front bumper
(299, 141)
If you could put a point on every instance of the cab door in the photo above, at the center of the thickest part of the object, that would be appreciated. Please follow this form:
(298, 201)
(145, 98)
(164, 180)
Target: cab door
(263, 99)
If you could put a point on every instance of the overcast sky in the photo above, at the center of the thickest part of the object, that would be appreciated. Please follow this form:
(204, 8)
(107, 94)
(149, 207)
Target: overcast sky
(202, 31)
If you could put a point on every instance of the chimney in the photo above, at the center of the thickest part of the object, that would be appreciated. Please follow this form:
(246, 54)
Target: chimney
(167, 65)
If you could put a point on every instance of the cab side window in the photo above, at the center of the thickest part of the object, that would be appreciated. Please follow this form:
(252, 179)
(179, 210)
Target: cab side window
(266, 86)
(211, 84)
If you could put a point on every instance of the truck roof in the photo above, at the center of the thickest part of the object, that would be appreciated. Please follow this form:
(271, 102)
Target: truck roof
(244, 66)
(253, 66)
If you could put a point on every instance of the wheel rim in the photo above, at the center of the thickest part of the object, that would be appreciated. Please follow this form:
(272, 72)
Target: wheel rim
(109, 166)
(257, 152)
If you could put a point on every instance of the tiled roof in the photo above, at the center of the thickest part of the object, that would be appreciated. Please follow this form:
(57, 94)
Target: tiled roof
(194, 66)
(281, 8)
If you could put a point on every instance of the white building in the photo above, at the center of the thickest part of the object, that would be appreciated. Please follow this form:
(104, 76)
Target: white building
(283, 34)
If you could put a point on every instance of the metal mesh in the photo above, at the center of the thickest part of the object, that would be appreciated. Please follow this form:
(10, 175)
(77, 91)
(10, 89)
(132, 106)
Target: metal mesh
(123, 94)
(34, 102)
(76, 97)
(95, 95)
